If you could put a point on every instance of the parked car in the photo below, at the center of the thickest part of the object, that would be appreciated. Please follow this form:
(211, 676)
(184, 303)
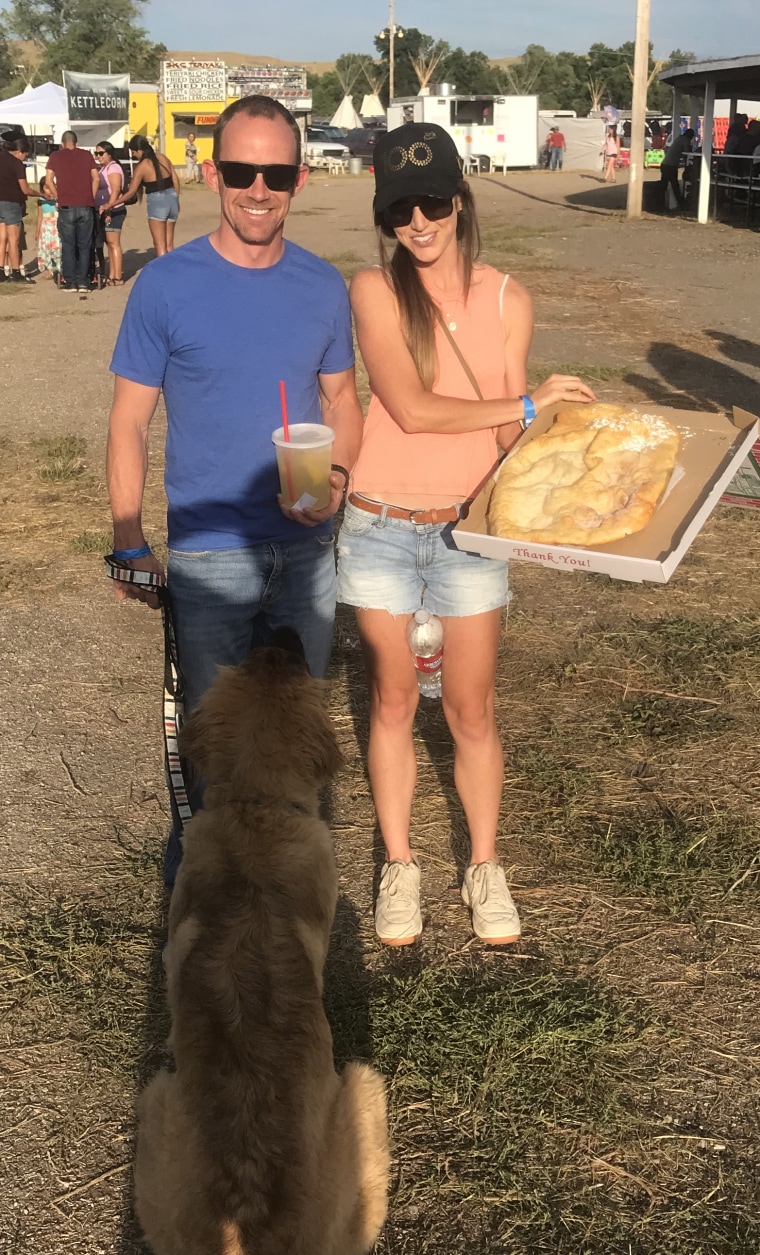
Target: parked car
(321, 146)
(361, 141)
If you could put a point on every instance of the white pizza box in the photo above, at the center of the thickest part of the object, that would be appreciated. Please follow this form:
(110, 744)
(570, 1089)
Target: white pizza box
(713, 447)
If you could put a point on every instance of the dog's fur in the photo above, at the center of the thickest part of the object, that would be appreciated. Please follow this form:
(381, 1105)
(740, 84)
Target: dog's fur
(254, 1145)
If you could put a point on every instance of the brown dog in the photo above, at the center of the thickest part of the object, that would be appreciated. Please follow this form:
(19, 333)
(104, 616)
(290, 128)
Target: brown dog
(254, 1145)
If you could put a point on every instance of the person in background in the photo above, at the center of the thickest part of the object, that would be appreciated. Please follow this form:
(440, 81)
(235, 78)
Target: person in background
(445, 340)
(192, 169)
(47, 237)
(14, 192)
(670, 165)
(557, 146)
(610, 152)
(110, 219)
(157, 177)
(72, 179)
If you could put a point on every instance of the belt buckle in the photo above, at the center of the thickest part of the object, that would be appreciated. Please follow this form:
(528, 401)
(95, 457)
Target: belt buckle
(412, 519)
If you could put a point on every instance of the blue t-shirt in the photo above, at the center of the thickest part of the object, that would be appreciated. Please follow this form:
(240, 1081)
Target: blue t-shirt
(218, 338)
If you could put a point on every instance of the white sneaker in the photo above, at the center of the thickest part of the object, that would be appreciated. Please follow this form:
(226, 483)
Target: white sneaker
(398, 919)
(494, 914)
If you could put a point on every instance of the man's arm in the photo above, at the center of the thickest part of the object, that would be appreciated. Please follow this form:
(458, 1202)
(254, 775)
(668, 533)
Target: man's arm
(342, 412)
(95, 180)
(50, 188)
(132, 410)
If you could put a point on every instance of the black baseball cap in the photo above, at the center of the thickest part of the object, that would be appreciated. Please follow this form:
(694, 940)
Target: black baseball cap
(417, 159)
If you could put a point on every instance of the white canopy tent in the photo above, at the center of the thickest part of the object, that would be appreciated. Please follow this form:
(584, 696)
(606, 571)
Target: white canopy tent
(44, 110)
(40, 110)
(346, 116)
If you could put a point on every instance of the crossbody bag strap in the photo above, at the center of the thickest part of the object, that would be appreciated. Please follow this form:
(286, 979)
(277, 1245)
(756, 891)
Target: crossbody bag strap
(460, 355)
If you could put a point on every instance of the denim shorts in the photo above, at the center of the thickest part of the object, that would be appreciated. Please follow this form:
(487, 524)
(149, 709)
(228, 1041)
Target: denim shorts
(394, 565)
(11, 213)
(117, 217)
(163, 206)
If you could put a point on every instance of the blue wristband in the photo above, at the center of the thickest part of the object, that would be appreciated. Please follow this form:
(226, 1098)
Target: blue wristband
(529, 412)
(126, 555)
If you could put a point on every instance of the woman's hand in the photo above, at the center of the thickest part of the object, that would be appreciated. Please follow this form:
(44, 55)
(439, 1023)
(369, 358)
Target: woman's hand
(561, 388)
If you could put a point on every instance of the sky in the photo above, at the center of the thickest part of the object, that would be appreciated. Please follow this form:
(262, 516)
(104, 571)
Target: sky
(320, 30)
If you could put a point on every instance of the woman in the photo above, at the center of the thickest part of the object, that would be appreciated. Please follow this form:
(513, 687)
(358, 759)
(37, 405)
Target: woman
(14, 192)
(110, 218)
(610, 152)
(430, 439)
(157, 177)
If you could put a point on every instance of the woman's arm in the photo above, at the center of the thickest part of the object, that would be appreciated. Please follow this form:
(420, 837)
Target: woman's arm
(38, 227)
(136, 182)
(394, 380)
(175, 180)
(115, 184)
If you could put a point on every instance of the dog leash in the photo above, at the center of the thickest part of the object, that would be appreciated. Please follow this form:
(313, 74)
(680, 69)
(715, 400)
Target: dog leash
(174, 687)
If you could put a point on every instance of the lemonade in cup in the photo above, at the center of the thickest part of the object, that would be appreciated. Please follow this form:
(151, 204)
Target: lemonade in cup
(304, 463)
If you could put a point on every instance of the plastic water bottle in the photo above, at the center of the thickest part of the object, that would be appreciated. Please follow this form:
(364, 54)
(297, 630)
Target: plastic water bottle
(425, 637)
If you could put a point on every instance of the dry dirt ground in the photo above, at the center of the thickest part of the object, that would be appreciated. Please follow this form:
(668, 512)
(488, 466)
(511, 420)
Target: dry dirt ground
(593, 1089)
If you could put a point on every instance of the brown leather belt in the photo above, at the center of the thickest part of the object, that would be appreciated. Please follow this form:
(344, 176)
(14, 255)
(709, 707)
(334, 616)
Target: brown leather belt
(446, 514)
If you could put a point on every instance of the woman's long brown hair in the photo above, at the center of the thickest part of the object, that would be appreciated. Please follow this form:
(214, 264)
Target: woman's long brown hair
(416, 307)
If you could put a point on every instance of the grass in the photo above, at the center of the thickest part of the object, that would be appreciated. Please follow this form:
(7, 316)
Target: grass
(690, 862)
(92, 542)
(347, 262)
(62, 457)
(508, 1092)
(90, 966)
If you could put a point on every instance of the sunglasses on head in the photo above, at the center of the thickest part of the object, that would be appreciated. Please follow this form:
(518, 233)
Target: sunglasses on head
(241, 174)
(401, 212)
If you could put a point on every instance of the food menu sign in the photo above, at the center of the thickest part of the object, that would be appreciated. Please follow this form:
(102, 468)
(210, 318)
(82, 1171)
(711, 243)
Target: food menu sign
(194, 80)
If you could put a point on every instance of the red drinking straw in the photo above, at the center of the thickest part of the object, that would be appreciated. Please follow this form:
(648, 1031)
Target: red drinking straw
(286, 433)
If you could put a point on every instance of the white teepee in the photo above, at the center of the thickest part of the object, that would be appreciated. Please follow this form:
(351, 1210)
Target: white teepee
(372, 105)
(346, 116)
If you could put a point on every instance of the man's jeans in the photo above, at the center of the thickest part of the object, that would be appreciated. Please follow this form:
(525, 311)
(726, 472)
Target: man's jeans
(75, 227)
(226, 601)
(555, 161)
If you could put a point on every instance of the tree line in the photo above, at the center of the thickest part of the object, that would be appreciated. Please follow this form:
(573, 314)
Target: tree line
(83, 35)
(562, 80)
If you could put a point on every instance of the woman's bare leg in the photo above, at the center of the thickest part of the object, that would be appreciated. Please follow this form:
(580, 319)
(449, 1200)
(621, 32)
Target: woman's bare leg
(170, 236)
(13, 241)
(394, 696)
(115, 255)
(470, 647)
(158, 235)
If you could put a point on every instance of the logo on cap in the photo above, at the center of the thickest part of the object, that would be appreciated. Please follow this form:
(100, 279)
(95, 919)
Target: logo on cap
(417, 154)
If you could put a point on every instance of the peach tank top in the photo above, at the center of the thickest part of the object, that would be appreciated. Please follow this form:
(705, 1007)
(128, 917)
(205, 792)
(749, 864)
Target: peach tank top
(392, 461)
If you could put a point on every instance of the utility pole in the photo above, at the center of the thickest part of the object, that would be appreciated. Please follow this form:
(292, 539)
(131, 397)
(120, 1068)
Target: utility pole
(639, 108)
(391, 50)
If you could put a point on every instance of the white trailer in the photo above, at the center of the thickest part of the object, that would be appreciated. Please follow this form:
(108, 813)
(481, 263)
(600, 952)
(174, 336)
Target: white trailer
(488, 129)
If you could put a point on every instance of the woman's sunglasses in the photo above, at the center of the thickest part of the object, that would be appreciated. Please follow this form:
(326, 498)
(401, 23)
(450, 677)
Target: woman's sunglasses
(401, 212)
(100, 153)
(241, 174)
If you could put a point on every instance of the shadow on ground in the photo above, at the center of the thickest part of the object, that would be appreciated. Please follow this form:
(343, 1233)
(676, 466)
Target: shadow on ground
(691, 381)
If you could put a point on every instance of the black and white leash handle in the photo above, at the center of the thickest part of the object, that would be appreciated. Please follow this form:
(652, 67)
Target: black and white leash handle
(174, 688)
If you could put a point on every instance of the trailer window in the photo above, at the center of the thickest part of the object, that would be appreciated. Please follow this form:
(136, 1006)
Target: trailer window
(472, 112)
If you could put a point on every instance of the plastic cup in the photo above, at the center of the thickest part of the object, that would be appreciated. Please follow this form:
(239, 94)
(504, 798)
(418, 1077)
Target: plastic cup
(304, 464)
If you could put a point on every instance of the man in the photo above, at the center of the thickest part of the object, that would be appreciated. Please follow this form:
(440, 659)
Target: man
(192, 172)
(670, 165)
(217, 324)
(557, 148)
(72, 178)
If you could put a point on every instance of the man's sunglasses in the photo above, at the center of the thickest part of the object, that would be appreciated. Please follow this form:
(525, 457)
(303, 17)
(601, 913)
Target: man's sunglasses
(401, 212)
(241, 174)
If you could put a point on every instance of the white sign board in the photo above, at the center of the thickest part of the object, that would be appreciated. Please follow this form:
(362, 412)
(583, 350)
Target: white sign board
(194, 81)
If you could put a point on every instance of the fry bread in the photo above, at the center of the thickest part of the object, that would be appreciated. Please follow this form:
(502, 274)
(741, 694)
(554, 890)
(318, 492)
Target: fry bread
(595, 476)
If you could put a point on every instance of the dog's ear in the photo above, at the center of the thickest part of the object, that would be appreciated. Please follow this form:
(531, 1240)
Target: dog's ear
(319, 751)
